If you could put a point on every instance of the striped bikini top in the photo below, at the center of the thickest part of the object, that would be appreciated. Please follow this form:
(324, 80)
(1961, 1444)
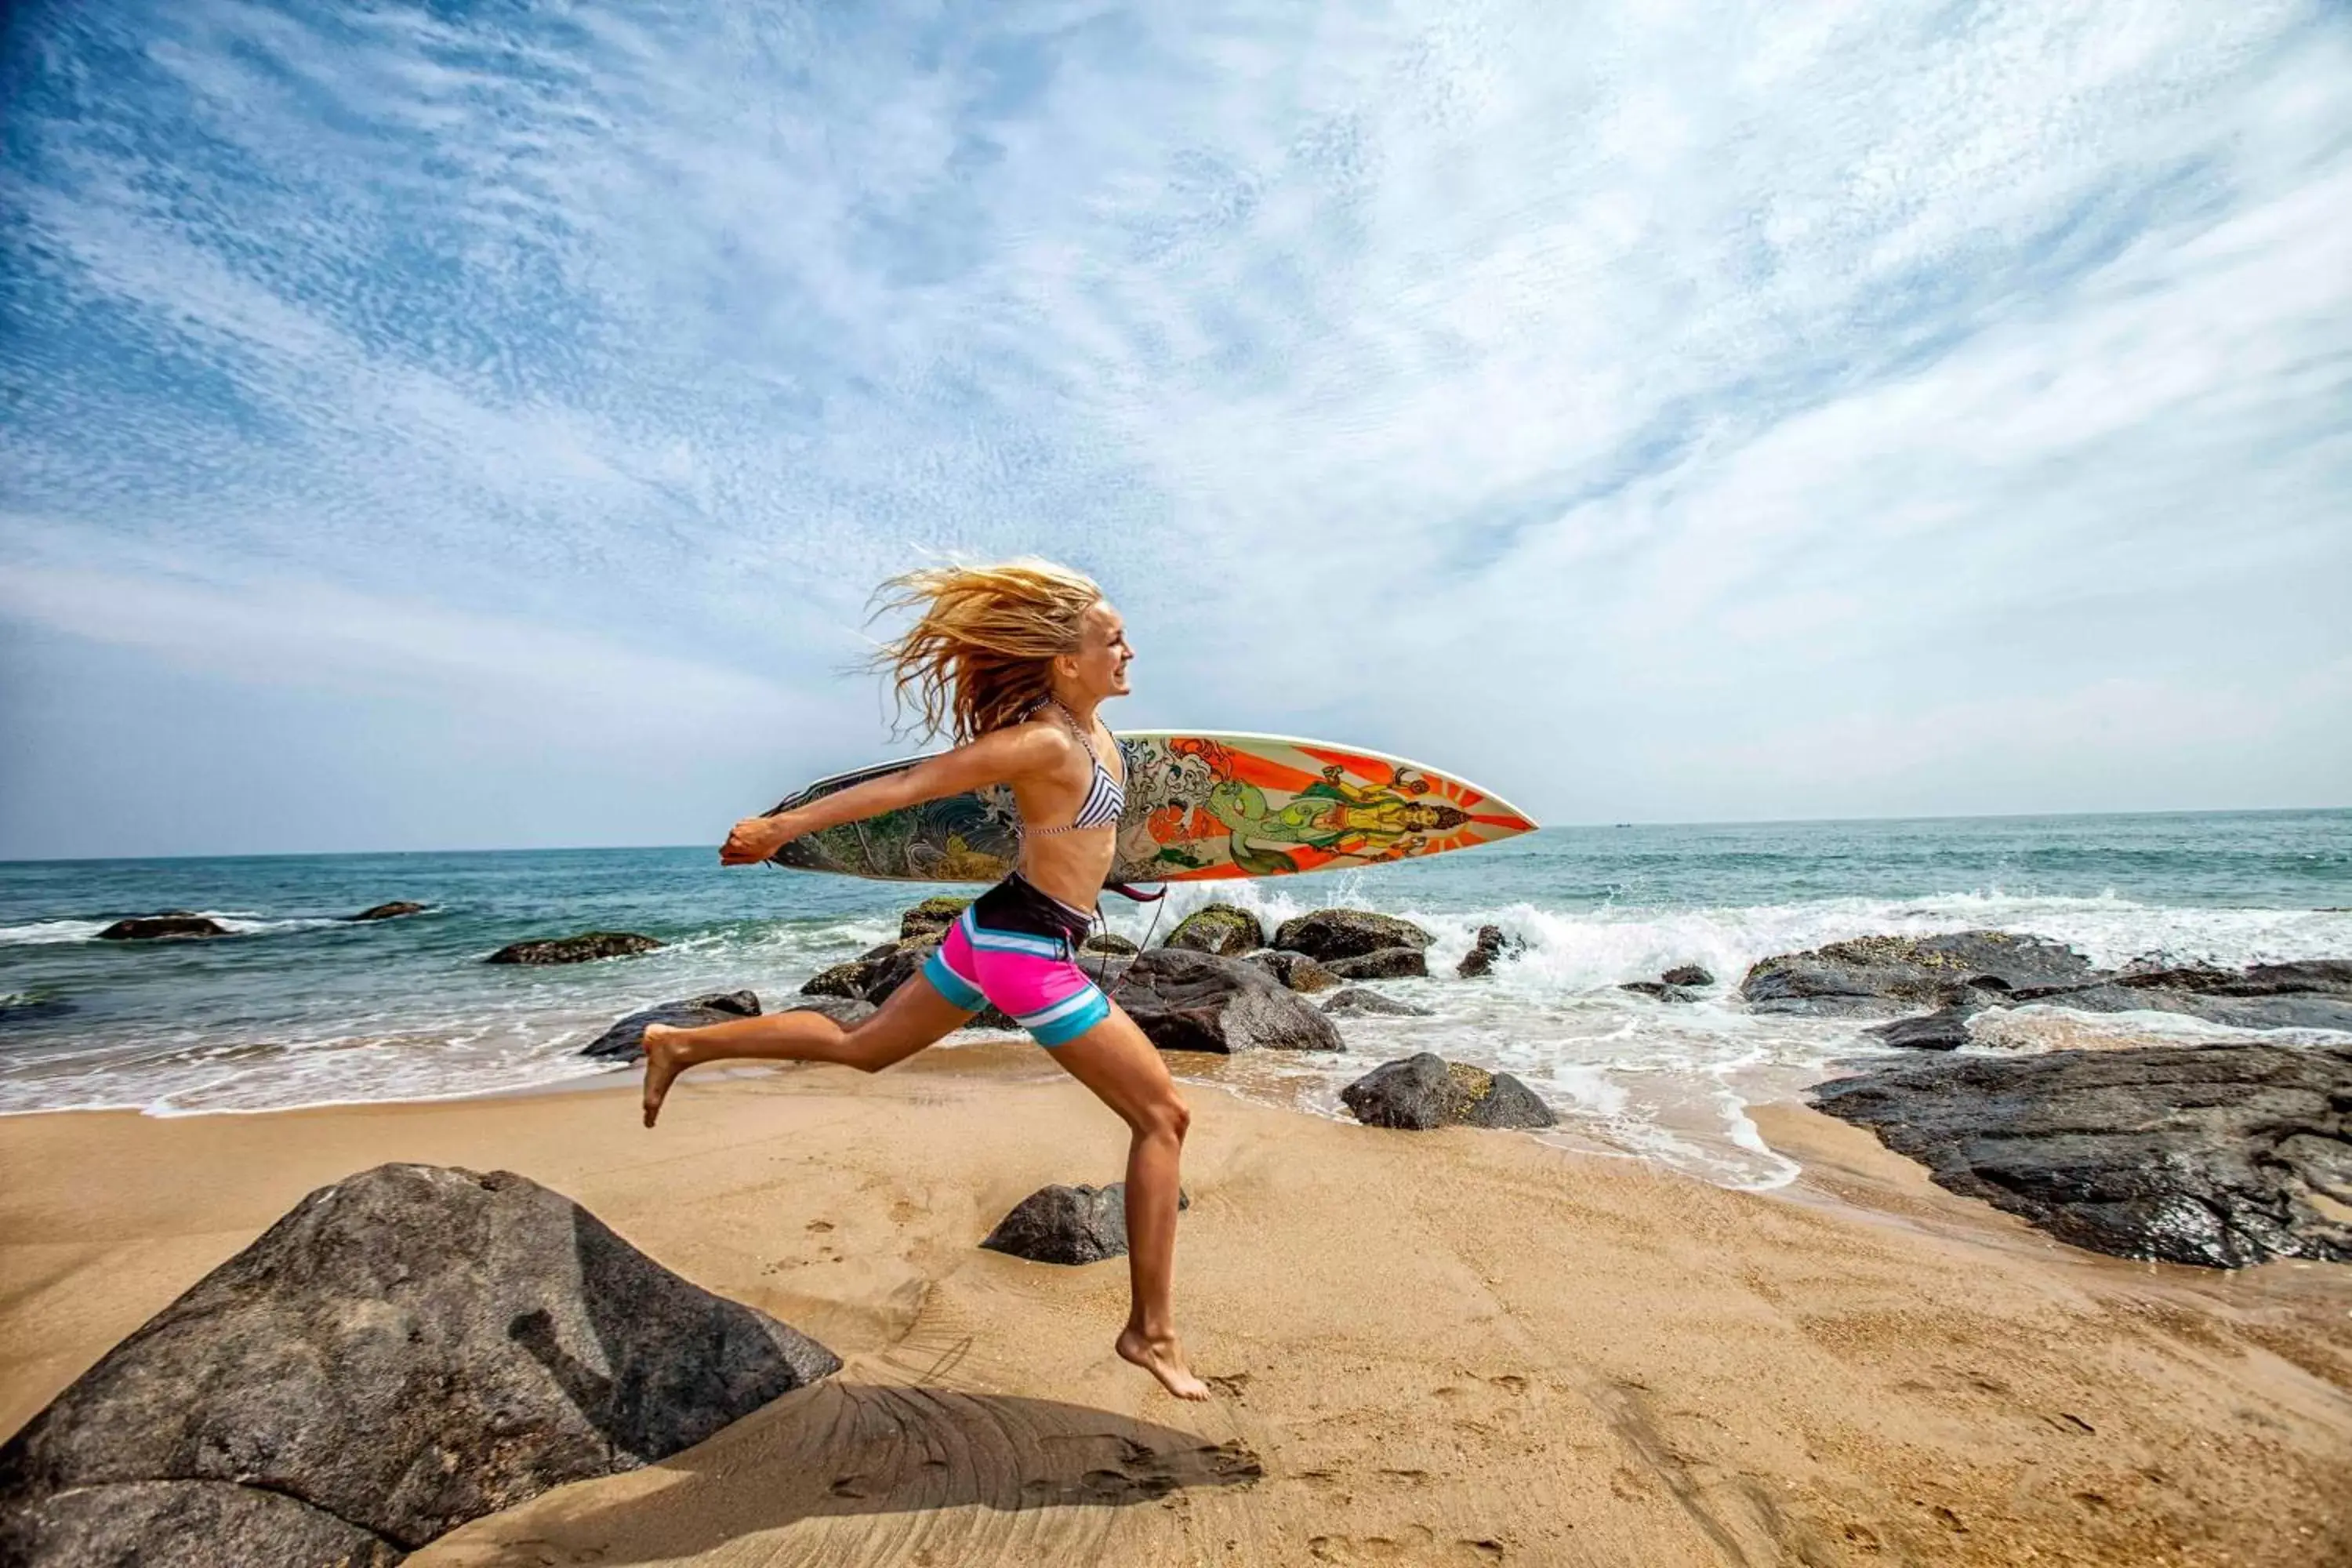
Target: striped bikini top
(1106, 797)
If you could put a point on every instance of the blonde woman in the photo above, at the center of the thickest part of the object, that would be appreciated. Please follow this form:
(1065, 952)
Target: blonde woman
(1014, 660)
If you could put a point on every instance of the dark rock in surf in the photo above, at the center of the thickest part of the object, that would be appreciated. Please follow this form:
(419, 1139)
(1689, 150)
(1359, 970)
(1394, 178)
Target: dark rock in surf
(1490, 948)
(628, 1037)
(1884, 975)
(1108, 944)
(1659, 991)
(1424, 1091)
(2222, 1156)
(390, 912)
(932, 917)
(873, 975)
(1225, 929)
(1187, 1001)
(1687, 974)
(1295, 970)
(1386, 963)
(409, 1348)
(1362, 1002)
(1068, 1225)
(1946, 1029)
(163, 927)
(1327, 934)
(582, 949)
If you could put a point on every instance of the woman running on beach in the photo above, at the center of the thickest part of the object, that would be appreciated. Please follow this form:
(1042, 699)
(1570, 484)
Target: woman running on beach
(1014, 659)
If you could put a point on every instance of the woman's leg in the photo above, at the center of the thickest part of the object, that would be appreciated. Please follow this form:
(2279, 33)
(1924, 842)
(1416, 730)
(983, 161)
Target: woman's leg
(913, 1016)
(1124, 1069)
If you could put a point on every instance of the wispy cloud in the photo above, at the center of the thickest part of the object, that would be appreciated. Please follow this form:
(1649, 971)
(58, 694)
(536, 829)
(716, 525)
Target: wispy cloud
(1499, 382)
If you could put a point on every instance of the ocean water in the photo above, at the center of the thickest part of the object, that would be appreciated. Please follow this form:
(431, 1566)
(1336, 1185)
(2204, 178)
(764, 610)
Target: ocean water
(300, 1008)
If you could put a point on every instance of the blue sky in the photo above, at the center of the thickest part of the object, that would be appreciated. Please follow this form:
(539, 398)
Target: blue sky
(452, 426)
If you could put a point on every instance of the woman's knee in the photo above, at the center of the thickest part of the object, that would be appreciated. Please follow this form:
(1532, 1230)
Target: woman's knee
(1165, 1116)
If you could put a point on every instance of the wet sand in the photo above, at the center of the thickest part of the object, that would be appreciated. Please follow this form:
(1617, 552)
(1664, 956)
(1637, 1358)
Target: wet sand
(1451, 1347)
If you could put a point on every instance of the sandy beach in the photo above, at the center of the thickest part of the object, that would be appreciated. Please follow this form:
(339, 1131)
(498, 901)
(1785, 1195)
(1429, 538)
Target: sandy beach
(1447, 1347)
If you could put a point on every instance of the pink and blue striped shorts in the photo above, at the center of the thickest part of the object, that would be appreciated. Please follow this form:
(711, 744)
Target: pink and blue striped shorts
(1033, 978)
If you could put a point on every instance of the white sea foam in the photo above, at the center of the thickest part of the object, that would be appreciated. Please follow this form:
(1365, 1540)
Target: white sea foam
(1667, 1083)
(236, 922)
(40, 933)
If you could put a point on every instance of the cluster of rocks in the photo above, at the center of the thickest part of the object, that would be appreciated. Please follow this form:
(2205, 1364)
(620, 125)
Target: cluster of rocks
(171, 924)
(409, 1348)
(1683, 983)
(2223, 1153)
(1320, 949)
(1219, 982)
(1959, 974)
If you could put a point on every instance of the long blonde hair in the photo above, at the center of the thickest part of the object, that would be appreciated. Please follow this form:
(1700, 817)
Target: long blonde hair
(979, 656)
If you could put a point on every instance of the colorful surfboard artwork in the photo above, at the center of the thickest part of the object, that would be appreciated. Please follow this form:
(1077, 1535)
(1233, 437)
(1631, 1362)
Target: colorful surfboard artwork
(1199, 808)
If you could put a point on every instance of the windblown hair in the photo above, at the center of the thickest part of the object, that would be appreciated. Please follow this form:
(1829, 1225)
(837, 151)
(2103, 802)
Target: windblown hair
(979, 655)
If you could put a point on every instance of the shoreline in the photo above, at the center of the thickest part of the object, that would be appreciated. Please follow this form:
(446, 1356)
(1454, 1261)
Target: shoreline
(1447, 1346)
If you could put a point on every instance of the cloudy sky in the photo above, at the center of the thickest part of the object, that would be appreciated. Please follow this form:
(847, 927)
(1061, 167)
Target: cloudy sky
(446, 426)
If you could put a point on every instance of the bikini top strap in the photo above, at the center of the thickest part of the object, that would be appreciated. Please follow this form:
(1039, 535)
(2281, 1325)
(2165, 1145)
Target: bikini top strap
(1070, 720)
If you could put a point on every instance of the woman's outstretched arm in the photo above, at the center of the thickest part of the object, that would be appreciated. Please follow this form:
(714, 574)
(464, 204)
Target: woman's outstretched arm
(997, 757)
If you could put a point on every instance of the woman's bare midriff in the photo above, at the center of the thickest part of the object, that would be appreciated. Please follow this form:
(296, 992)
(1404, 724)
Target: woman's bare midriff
(1072, 872)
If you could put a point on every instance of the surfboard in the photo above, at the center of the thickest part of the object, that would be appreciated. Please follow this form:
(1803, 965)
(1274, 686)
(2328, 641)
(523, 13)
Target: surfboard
(1200, 807)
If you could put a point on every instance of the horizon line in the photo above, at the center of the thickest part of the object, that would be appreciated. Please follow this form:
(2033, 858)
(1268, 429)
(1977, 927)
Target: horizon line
(1602, 827)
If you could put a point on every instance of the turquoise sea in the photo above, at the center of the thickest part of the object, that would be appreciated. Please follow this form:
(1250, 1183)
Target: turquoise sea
(300, 1008)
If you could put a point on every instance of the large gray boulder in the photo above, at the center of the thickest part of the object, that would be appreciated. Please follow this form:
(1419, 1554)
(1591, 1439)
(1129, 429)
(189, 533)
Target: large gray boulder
(581, 949)
(1225, 929)
(1187, 1001)
(408, 1348)
(1067, 1225)
(1327, 934)
(1424, 1091)
(2222, 1155)
(1878, 975)
(187, 1524)
(628, 1037)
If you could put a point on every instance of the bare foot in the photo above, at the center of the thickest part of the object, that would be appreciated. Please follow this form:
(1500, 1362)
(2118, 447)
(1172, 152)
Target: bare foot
(662, 1067)
(1163, 1358)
